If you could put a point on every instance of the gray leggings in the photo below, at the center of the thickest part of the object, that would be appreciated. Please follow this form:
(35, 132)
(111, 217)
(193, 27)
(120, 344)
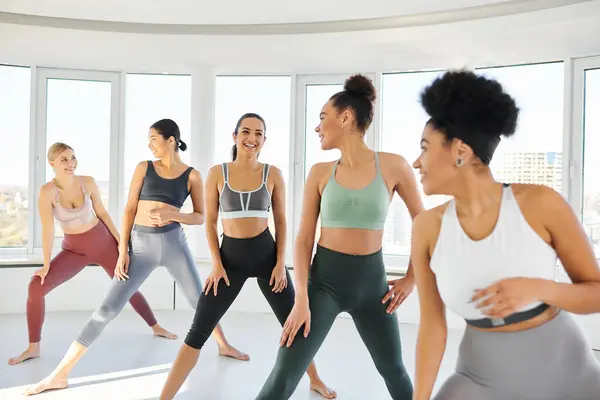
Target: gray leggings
(550, 362)
(149, 248)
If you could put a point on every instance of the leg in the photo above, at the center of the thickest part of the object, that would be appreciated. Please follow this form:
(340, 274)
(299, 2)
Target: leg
(63, 267)
(209, 311)
(182, 267)
(379, 331)
(281, 304)
(461, 387)
(137, 301)
(140, 268)
(293, 361)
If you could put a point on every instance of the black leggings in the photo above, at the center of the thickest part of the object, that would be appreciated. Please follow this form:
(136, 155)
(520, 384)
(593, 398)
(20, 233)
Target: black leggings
(344, 283)
(242, 259)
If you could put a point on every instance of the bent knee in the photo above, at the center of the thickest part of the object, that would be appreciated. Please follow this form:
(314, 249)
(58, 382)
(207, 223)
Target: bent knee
(35, 286)
(196, 339)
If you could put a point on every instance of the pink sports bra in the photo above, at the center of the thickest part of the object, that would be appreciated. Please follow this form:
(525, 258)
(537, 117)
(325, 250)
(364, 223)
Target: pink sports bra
(73, 217)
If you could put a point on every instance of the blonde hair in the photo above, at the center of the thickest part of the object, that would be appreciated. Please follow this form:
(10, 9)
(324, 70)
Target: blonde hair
(56, 149)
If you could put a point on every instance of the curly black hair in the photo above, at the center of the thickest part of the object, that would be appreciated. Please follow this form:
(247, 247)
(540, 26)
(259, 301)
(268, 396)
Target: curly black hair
(358, 95)
(472, 108)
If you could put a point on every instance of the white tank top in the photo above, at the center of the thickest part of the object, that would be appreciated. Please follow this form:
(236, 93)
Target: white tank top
(513, 249)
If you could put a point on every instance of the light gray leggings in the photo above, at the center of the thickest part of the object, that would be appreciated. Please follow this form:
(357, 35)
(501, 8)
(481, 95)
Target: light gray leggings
(550, 362)
(149, 248)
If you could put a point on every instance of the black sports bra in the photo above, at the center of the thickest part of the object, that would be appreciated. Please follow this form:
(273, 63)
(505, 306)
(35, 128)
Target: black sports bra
(170, 191)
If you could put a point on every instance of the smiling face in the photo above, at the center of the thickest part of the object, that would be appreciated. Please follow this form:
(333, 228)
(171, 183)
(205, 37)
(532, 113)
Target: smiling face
(436, 163)
(332, 125)
(64, 163)
(250, 137)
(158, 145)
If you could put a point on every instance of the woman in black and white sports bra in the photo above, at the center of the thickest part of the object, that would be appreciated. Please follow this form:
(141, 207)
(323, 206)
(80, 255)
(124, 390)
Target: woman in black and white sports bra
(490, 255)
(242, 193)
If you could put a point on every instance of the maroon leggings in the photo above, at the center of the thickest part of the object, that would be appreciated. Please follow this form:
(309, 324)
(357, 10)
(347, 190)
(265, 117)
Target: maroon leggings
(96, 246)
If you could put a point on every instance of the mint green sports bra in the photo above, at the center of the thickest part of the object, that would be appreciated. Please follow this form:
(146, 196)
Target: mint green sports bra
(364, 208)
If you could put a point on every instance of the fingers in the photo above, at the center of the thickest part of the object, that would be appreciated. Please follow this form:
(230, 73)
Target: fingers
(292, 334)
(387, 296)
(307, 327)
(496, 298)
(481, 293)
(500, 310)
(207, 285)
(284, 333)
(395, 303)
(42, 282)
(272, 280)
(225, 278)
(216, 284)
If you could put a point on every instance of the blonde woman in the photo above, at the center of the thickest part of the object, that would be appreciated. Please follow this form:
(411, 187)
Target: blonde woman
(90, 237)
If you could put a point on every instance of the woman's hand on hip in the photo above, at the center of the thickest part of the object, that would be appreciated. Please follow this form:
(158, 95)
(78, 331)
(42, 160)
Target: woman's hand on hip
(399, 291)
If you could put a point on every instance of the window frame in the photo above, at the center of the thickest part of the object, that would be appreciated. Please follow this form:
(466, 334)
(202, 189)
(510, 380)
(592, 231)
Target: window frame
(39, 139)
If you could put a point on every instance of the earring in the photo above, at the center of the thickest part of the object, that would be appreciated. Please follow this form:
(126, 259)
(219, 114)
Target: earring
(459, 162)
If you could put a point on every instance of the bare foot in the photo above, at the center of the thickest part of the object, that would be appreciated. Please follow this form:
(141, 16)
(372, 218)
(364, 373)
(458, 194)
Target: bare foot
(230, 351)
(50, 383)
(31, 353)
(162, 332)
(320, 387)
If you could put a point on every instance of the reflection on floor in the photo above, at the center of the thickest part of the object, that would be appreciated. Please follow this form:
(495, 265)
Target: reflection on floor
(127, 363)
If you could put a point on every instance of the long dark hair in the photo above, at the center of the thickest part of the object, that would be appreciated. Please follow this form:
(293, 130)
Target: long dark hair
(237, 126)
(168, 128)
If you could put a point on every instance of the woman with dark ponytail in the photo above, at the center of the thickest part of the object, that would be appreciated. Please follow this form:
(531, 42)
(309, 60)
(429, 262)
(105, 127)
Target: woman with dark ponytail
(151, 235)
(351, 195)
(241, 193)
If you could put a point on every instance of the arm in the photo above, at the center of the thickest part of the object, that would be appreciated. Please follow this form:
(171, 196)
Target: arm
(575, 253)
(278, 197)
(433, 330)
(131, 207)
(196, 217)
(212, 214)
(47, 219)
(406, 187)
(92, 188)
(305, 240)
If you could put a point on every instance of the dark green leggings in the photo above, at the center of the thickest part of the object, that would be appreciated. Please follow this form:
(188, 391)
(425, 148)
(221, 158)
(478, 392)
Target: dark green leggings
(355, 284)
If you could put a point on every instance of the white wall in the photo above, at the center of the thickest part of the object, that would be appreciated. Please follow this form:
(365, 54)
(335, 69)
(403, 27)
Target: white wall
(87, 290)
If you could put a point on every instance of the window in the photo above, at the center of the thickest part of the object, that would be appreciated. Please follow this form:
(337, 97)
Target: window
(591, 165)
(402, 124)
(267, 96)
(15, 95)
(150, 98)
(78, 113)
(534, 153)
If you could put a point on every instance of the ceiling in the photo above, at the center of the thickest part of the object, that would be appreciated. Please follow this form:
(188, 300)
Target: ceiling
(547, 34)
(231, 11)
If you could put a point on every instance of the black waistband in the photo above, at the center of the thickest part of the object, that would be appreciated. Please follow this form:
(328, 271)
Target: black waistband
(511, 319)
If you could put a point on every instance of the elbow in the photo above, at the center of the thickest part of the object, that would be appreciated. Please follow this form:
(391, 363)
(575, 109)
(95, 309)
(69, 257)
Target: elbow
(303, 244)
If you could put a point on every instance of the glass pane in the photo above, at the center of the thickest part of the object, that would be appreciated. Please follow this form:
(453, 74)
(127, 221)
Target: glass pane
(316, 97)
(150, 98)
(402, 124)
(14, 180)
(267, 96)
(78, 113)
(534, 153)
(591, 169)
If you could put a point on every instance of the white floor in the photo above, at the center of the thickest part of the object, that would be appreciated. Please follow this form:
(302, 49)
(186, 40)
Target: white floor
(127, 363)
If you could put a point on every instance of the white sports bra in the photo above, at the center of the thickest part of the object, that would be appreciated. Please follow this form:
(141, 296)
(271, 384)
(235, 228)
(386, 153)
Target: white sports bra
(463, 265)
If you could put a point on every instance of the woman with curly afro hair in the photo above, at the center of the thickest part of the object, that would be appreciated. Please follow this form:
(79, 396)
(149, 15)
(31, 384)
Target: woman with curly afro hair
(490, 256)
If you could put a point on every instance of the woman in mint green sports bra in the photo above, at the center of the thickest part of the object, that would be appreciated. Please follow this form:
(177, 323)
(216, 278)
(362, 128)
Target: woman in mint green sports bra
(347, 272)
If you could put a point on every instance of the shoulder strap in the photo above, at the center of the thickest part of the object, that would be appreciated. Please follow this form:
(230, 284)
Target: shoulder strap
(55, 191)
(266, 169)
(82, 186)
(225, 172)
(150, 167)
(377, 162)
(334, 169)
